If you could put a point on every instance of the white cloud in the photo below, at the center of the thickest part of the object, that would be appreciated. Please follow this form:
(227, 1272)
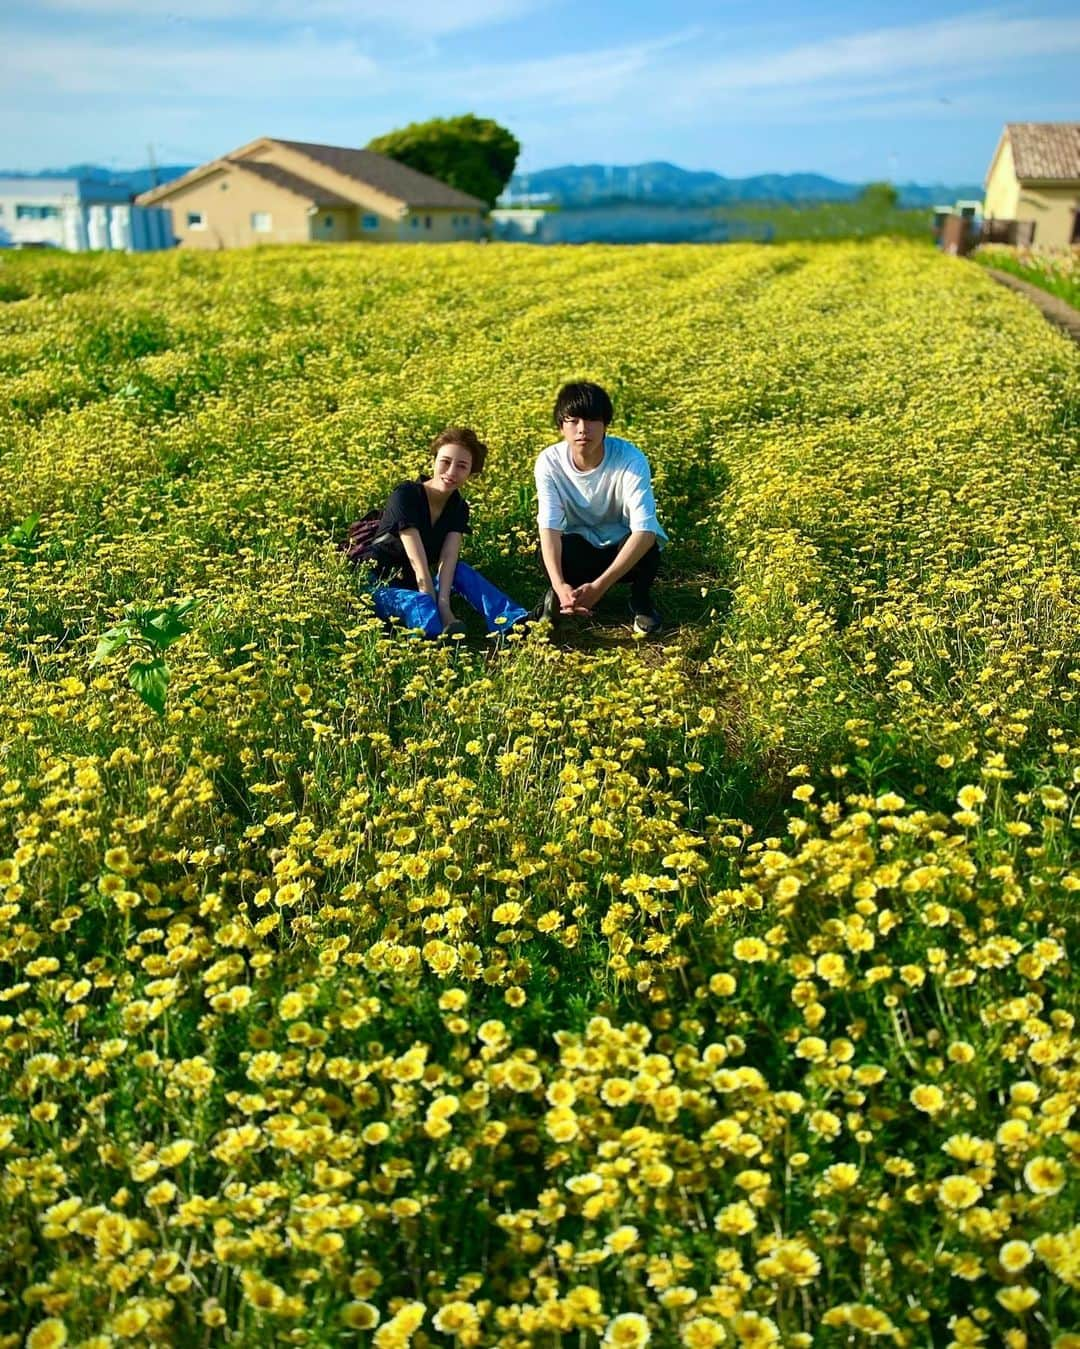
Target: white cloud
(966, 44)
(305, 65)
(576, 78)
(275, 67)
(240, 69)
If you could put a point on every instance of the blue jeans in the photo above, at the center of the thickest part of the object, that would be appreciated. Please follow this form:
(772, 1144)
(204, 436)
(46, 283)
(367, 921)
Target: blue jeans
(417, 610)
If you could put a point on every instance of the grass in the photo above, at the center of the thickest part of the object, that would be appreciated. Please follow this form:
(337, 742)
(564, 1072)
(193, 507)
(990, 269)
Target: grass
(1057, 273)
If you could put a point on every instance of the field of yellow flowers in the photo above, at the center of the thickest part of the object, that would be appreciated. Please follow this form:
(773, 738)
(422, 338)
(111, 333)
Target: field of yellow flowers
(707, 991)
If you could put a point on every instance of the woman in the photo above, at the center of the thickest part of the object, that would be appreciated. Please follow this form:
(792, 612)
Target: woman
(414, 553)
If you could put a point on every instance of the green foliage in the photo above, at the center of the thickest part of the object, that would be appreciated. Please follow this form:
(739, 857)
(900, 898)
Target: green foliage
(147, 631)
(1056, 273)
(473, 154)
(832, 220)
(23, 537)
(881, 194)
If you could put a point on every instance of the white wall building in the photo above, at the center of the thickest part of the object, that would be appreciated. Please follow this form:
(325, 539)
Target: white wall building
(78, 214)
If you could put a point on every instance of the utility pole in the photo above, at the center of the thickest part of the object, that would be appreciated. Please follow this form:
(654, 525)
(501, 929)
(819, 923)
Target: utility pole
(152, 163)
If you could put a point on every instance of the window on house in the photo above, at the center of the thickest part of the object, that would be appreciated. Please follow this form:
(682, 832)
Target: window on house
(371, 222)
(196, 220)
(36, 212)
(260, 222)
(328, 222)
(427, 222)
(415, 222)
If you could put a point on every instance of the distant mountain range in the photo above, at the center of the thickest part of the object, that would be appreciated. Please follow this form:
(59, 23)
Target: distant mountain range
(666, 184)
(599, 184)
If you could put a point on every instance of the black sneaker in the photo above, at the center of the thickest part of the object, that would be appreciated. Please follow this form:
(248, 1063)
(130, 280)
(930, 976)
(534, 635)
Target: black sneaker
(647, 620)
(550, 608)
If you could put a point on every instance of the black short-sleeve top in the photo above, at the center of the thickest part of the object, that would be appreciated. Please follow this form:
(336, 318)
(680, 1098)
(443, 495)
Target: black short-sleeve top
(408, 508)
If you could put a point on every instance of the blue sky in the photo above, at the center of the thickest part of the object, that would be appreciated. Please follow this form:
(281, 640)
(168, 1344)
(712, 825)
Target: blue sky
(853, 90)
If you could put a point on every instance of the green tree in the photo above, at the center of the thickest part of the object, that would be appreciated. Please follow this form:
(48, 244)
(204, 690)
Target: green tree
(473, 154)
(882, 195)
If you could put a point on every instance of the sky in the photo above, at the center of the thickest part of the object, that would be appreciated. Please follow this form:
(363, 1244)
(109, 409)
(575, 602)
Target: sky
(854, 89)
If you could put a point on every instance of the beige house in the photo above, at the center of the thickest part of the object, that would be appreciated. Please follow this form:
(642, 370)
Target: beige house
(286, 192)
(1035, 177)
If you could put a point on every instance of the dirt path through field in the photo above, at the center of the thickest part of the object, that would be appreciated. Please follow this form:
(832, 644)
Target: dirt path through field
(1057, 311)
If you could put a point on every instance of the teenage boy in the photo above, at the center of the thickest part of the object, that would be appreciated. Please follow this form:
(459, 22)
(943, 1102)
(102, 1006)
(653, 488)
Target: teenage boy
(597, 515)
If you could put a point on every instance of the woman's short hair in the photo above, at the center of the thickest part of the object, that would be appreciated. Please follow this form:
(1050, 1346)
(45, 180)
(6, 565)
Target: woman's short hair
(468, 440)
(583, 400)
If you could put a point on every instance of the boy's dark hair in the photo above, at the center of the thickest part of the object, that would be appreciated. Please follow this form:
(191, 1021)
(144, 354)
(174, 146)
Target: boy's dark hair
(467, 438)
(583, 400)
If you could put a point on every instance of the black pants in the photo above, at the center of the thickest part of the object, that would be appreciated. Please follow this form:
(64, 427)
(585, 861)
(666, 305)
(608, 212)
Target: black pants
(583, 561)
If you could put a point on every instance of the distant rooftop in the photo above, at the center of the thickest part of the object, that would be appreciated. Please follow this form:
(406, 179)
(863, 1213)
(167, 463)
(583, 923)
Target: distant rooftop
(385, 174)
(89, 190)
(1046, 151)
(291, 182)
(413, 189)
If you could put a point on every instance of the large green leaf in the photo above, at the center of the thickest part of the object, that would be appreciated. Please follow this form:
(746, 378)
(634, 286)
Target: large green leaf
(24, 535)
(162, 627)
(110, 642)
(150, 680)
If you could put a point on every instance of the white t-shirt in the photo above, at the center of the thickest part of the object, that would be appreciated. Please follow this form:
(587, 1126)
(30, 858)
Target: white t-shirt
(603, 504)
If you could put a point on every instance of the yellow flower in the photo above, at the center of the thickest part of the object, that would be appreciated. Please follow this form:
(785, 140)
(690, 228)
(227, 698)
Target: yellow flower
(736, 1220)
(622, 1239)
(128, 1323)
(456, 1318)
(958, 1192)
(360, 1316)
(627, 1331)
(1015, 1256)
(750, 950)
(1044, 1175)
(927, 1098)
(702, 1333)
(48, 1334)
(839, 1178)
(751, 1328)
(1019, 1299)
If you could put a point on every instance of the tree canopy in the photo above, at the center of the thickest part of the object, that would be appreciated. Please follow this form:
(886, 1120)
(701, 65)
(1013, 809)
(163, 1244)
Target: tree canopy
(473, 154)
(881, 194)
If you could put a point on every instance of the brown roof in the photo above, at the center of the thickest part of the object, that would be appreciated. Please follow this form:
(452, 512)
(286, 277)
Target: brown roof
(386, 175)
(1046, 151)
(156, 194)
(292, 182)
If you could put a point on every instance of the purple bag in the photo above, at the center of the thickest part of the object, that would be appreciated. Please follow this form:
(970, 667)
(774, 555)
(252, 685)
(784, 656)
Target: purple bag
(361, 535)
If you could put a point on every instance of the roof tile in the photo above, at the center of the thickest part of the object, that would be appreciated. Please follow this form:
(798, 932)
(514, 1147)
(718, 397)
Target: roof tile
(1046, 151)
(386, 175)
(292, 182)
